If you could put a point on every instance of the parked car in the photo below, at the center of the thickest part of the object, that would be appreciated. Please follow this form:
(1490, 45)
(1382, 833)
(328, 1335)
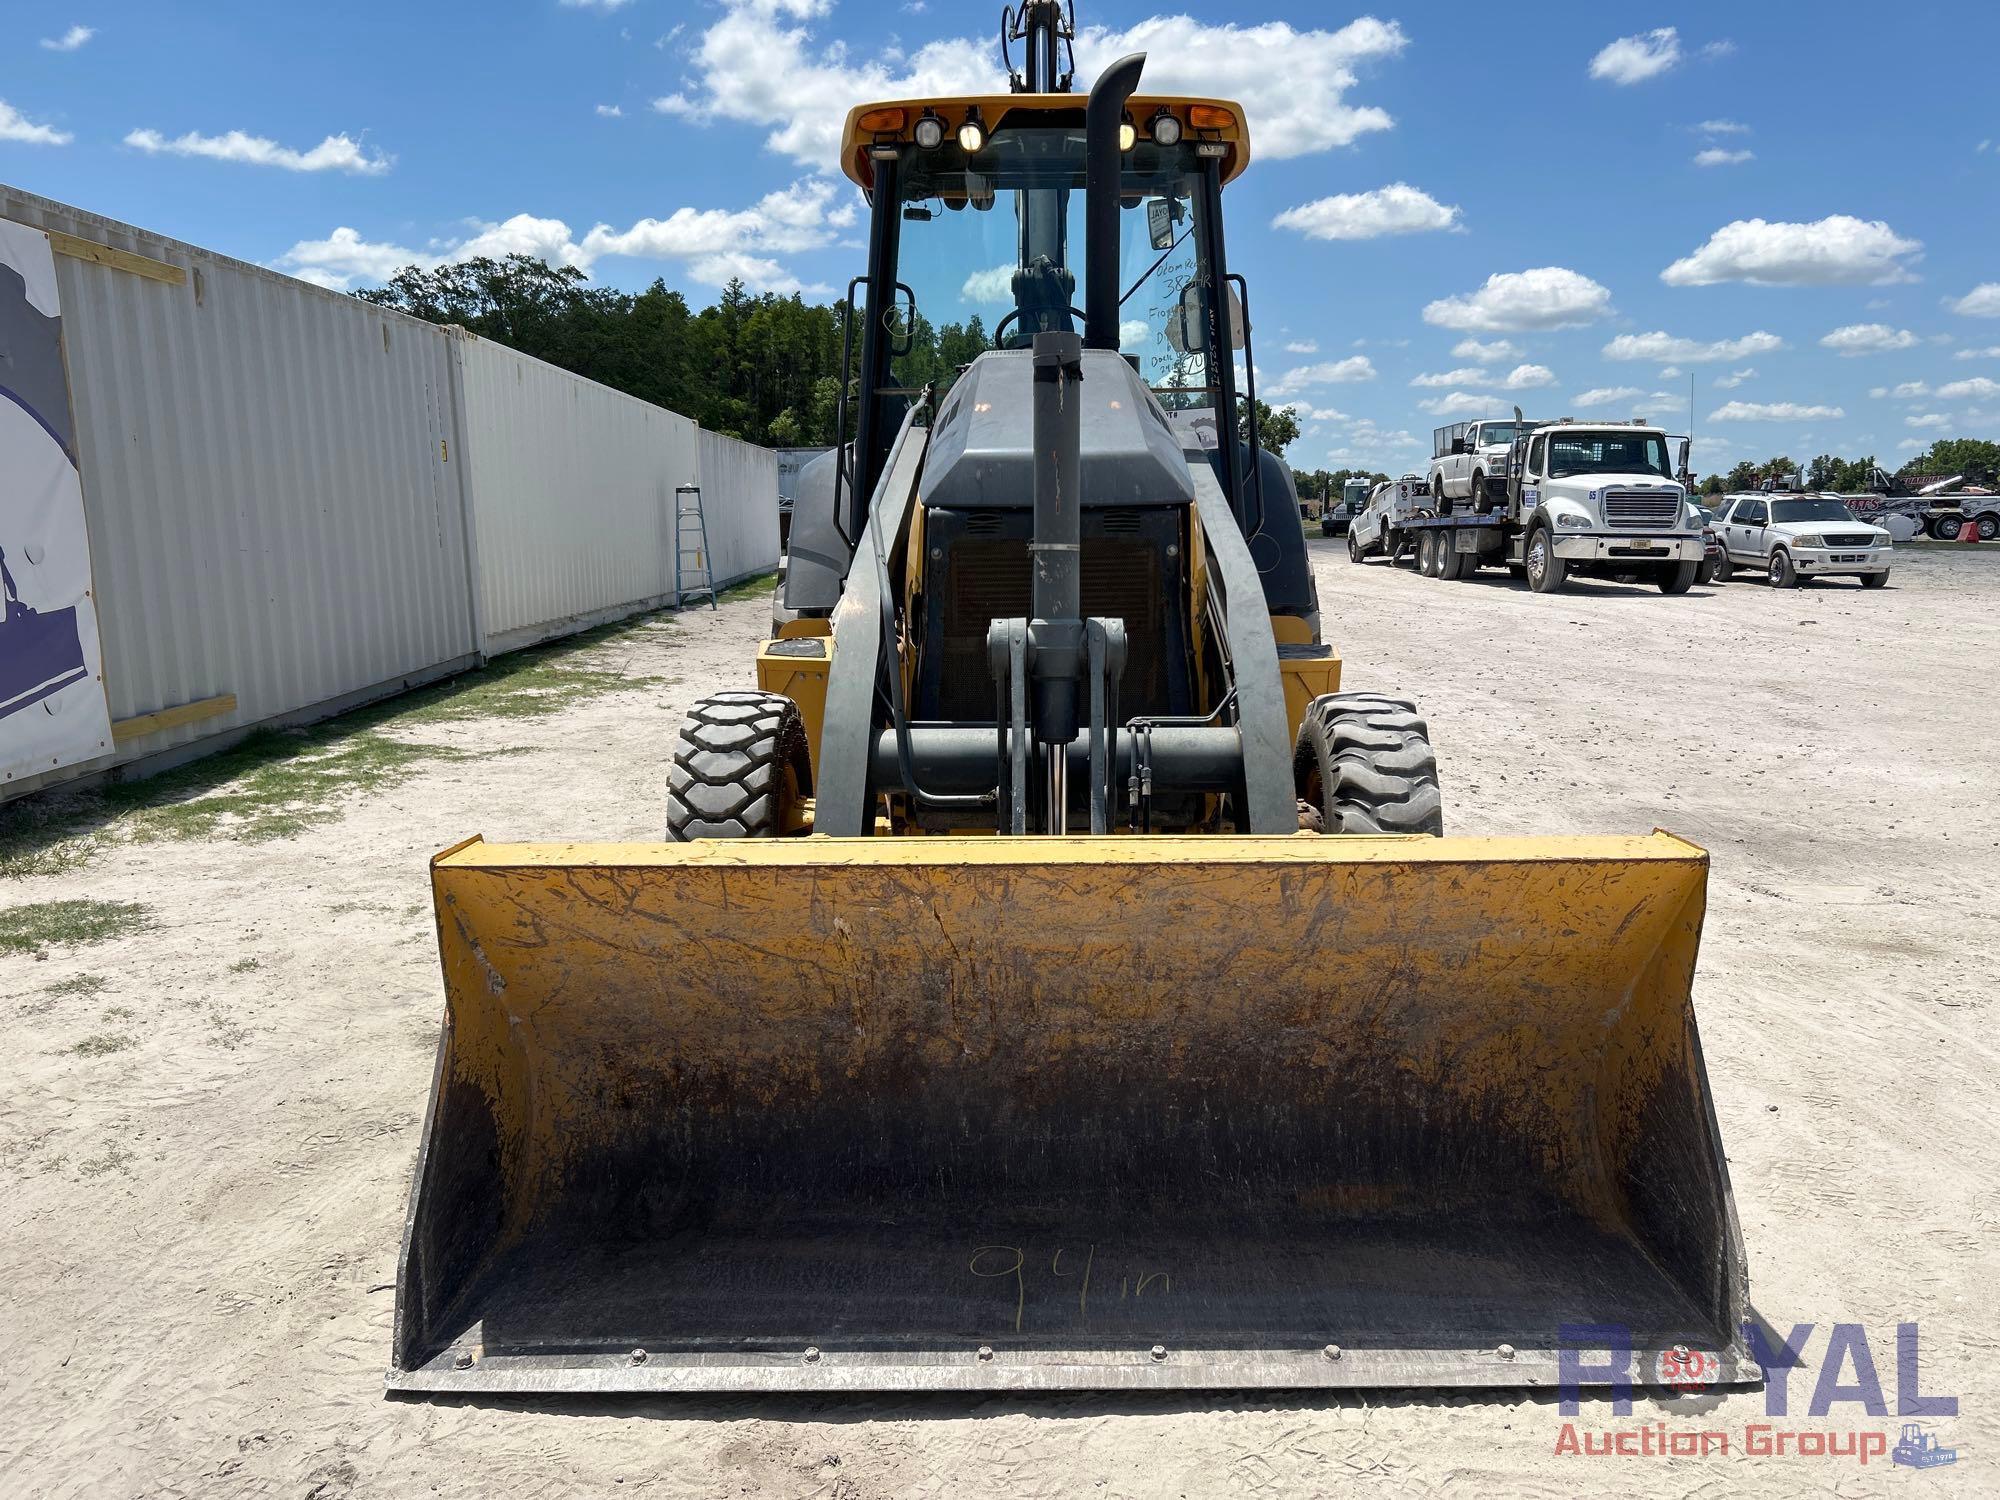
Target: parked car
(1789, 539)
(1711, 545)
(1378, 530)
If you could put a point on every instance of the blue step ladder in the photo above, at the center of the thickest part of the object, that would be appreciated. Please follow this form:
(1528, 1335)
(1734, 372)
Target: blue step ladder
(694, 571)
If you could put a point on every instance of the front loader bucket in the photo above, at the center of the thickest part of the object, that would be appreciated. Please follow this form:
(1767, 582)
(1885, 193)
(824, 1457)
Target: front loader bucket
(904, 1114)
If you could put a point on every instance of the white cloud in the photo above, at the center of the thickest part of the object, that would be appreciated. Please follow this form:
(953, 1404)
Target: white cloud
(1929, 421)
(1356, 367)
(1868, 338)
(1774, 411)
(1732, 380)
(1467, 375)
(1396, 209)
(1512, 301)
(1723, 127)
(17, 127)
(1134, 333)
(1911, 445)
(678, 104)
(70, 40)
(1634, 59)
(1716, 156)
(1606, 395)
(1909, 390)
(991, 287)
(714, 244)
(1720, 48)
(1992, 352)
(1835, 251)
(337, 153)
(1659, 345)
(1528, 378)
(1484, 353)
(1983, 301)
(761, 63)
(1461, 404)
(1979, 388)
(1302, 346)
(602, 7)
(1671, 372)
(1307, 412)
(610, 111)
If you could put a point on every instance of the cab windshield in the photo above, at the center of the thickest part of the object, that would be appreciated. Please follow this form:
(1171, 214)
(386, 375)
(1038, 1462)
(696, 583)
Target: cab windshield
(1608, 453)
(991, 249)
(1810, 510)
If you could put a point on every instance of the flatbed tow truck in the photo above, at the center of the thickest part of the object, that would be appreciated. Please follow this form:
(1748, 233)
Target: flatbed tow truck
(1583, 499)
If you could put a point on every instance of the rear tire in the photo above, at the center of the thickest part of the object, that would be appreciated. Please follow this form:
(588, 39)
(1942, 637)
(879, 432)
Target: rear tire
(1546, 571)
(1724, 569)
(1704, 572)
(1945, 528)
(1782, 574)
(1353, 548)
(1364, 761)
(1875, 580)
(1451, 562)
(1426, 552)
(739, 770)
(1677, 577)
(1989, 527)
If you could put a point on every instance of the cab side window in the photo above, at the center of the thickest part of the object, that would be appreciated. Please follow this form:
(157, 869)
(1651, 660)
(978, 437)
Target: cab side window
(1752, 513)
(1536, 449)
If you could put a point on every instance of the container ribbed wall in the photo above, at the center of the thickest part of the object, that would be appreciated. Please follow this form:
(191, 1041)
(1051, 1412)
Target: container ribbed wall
(303, 500)
(739, 501)
(273, 510)
(572, 487)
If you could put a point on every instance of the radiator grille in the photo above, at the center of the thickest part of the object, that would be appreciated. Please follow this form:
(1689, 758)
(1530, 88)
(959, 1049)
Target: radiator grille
(1846, 539)
(1641, 508)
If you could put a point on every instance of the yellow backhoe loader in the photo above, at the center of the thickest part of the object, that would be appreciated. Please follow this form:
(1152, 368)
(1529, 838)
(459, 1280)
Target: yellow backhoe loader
(1049, 977)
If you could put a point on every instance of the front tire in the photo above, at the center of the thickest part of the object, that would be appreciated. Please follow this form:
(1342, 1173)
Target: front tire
(1783, 575)
(1353, 548)
(1677, 578)
(1364, 762)
(740, 769)
(1724, 569)
(1546, 571)
(1875, 580)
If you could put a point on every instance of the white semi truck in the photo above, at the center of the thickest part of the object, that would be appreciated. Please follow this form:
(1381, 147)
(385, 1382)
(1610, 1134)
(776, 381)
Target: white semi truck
(1593, 499)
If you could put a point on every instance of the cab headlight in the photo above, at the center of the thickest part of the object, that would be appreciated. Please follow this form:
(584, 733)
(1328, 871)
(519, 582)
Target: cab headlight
(1807, 539)
(1570, 521)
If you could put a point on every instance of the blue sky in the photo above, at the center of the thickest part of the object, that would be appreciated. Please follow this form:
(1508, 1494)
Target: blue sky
(1425, 176)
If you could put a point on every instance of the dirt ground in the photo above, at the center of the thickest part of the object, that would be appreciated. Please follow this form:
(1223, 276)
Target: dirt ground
(215, 1076)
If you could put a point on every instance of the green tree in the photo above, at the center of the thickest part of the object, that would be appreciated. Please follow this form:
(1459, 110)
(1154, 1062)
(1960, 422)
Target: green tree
(1277, 429)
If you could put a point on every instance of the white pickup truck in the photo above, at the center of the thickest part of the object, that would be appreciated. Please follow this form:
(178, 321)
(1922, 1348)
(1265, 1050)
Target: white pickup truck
(1378, 531)
(1469, 463)
(1601, 499)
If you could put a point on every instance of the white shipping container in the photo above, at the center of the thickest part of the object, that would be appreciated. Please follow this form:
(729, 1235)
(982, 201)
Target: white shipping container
(739, 499)
(274, 501)
(572, 488)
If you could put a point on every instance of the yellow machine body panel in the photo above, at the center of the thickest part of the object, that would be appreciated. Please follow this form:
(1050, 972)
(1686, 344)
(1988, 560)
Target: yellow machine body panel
(991, 1113)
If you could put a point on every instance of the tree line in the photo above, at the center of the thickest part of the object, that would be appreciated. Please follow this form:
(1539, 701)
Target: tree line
(1969, 456)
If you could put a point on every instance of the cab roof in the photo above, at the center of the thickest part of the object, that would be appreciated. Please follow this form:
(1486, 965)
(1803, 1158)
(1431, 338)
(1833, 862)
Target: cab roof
(994, 109)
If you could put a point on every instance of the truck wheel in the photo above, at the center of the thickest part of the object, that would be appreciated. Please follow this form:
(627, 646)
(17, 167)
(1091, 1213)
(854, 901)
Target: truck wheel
(1426, 553)
(1365, 762)
(1476, 496)
(1704, 572)
(1945, 528)
(1989, 527)
(739, 770)
(1783, 575)
(1677, 577)
(1353, 548)
(1450, 560)
(1724, 569)
(1875, 580)
(1546, 571)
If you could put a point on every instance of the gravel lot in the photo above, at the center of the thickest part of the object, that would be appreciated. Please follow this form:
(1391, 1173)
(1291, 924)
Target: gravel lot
(213, 1096)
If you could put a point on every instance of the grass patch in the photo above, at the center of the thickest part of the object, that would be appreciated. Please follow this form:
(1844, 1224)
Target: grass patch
(246, 965)
(224, 1032)
(47, 924)
(104, 1043)
(750, 588)
(115, 1158)
(280, 783)
(82, 984)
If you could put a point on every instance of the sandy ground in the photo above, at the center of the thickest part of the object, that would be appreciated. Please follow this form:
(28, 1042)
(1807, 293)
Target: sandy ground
(198, 1233)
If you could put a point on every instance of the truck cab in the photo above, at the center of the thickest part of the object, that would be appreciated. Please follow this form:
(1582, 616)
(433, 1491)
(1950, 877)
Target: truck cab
(1469, 463)
(1341, 515)
(1602, 498)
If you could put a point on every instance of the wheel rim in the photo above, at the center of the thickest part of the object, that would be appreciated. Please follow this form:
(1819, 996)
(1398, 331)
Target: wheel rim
(1777, 567)
(1538, 558)
(1987, 527)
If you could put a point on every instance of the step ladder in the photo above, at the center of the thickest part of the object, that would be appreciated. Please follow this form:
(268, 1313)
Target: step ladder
(694, 572)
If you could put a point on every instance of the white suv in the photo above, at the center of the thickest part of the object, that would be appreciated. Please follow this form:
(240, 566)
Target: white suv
(1789, 538)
